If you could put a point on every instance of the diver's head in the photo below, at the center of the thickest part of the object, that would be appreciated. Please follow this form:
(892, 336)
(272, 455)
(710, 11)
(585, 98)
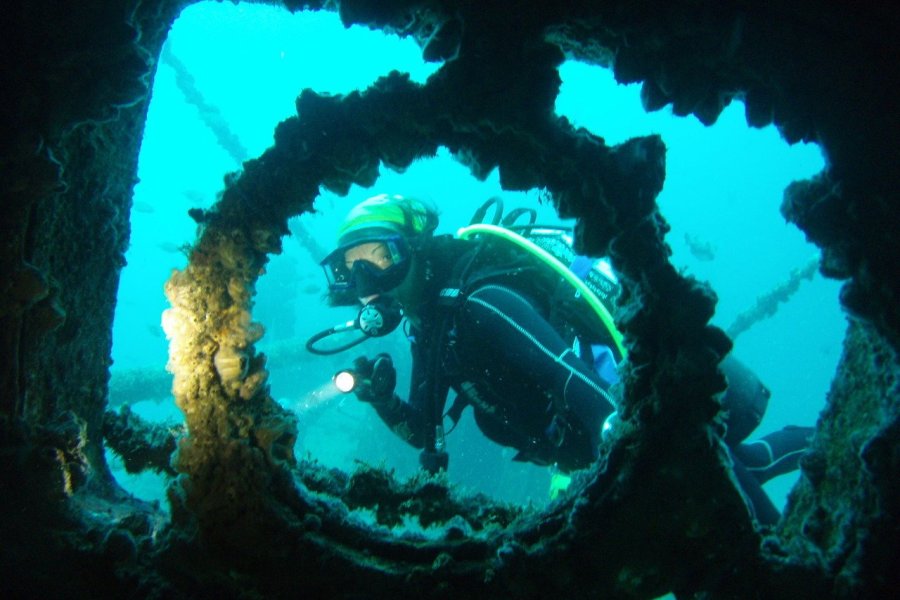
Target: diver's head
(376, 245)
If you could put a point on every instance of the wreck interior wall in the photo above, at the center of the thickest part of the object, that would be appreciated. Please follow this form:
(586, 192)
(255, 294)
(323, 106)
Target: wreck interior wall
(75, 91)
(68, 177)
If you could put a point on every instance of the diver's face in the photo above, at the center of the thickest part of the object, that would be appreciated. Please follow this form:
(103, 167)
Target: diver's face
(376, 253)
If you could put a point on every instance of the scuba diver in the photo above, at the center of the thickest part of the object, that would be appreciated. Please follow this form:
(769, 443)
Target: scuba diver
(524, 344)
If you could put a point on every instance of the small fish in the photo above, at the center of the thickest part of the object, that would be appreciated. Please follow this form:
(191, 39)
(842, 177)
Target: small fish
(701, 250)
(144, 207)
(311, 288)
(196, 197)
(170, 247)
(155, 330)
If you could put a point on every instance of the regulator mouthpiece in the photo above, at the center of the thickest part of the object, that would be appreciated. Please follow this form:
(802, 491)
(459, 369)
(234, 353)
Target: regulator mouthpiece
(380, 316)
(344, 380)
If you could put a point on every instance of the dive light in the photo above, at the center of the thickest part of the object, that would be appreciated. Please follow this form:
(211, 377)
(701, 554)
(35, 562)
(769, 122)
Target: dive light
(344, 380)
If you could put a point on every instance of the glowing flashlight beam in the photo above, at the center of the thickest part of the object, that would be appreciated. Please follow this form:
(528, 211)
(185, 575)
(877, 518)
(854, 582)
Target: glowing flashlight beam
(345, 381)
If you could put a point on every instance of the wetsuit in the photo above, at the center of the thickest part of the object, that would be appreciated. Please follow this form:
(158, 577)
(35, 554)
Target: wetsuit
(492, 344)
(487, 336)
(744, 403)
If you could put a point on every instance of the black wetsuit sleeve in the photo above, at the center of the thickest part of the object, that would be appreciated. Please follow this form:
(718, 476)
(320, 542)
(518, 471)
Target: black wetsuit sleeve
(407, 419)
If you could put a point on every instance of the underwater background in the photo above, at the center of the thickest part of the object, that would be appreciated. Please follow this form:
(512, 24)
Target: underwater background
(229, 73)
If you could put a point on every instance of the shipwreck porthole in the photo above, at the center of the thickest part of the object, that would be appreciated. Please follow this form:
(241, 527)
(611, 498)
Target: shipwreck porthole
(336, 430)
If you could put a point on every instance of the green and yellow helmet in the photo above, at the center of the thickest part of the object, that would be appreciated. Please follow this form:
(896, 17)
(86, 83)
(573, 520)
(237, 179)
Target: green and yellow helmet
(397, 221)
(384, 216)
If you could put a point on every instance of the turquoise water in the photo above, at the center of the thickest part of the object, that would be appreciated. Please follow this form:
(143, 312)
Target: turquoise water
(724, 185)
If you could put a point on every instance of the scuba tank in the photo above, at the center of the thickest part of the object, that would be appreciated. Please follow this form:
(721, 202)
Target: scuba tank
(597, 289)
(589, 286)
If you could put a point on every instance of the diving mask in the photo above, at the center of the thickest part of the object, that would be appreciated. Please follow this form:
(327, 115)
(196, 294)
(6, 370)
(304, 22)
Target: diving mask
(379, 267)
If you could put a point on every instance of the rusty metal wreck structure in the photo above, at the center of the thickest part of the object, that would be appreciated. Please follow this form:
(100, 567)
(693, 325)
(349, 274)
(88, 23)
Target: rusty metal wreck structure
(659, 513)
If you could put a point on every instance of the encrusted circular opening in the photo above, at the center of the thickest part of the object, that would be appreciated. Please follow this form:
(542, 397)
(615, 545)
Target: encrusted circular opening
(335, 430)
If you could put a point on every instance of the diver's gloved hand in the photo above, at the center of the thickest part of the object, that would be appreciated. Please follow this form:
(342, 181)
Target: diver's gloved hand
(377, 379)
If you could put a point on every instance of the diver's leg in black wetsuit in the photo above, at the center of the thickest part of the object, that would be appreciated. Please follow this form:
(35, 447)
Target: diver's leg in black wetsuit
(755, 463)
(774, 454)
(759, 461)
(760, 504)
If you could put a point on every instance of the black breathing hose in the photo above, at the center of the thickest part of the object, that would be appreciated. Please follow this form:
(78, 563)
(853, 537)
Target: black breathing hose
(311, 342)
